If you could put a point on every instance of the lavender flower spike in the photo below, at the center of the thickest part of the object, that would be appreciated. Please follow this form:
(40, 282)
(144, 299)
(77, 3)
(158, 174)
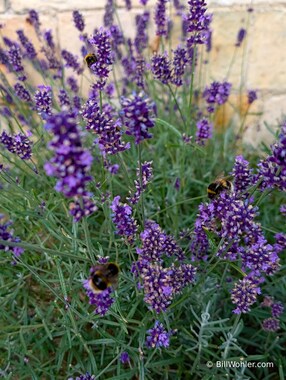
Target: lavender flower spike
(158, 336)
(123, 220)
(139, 116)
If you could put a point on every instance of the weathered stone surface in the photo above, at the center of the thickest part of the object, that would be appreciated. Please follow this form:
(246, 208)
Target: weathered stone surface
(58, 5)
(2, 6)
(266, 55)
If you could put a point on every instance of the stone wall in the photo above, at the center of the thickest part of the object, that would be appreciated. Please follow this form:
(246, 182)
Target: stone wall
(263, 67)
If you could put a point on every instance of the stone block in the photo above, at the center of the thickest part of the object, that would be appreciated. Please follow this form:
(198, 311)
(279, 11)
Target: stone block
(2, 6)
(24, 6)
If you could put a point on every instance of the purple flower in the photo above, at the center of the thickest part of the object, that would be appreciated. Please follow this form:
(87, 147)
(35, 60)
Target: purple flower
(179, 64)
(251, 96)
(216, 93)
(160, 18)
(102, 301)
(242, 174)
(240, 37)
(48, 37)
(283, 209)
(87, 376)
(34, 20)
(124, 357)
(198, 22)
(117, 39)
(109, 141)
(177, 184)
(71, 162)
(123, 219)
(82, 206)
(139, 116)
(147, 174)
(113, 169)
(141, 38)
(18, 144)
(128, 4)
(161, 67)
(76, 103)
(73, 85)
(204, 131)
(22, 93)
(43, 100)
(178, 6)
(272, 170)
(15, 59)
(29, 48)
(101, 40)
(244, 295)
(108, 14)
(109, 90)
(78, 20)
(71, 61)
(161, 284)
(280, 242)
(7, 234)
(97, 121)
(158, 336)
(277, 309)
(259, 257)
(64, 99)
(156, 243)
(271, 324)
(140, 69)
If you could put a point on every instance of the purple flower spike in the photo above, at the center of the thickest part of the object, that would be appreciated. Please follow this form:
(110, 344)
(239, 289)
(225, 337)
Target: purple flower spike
(30, 51)
(271, 325)
(7, 234)
(179, 64)
(78, 20)
(71, 61)
(204, 131)
(22, 93)
(138, 115)
(102, 301)
(240, 37)
(123, 220)
(147, 174)
(243, 176)
(244, 295)
(141, 38)
(43, 100)
(17, 144)
(251, 96)
(277, 309)
(15, 58)
(216, 94)
(158, 336)
(101, 41)
(161, 67)
(160, 18)
(71, 162)
(124, 357)
(87, 376)
(34, 20)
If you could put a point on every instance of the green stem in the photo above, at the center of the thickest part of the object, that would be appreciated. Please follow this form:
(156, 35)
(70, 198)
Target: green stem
(177, 104)
(141, 183)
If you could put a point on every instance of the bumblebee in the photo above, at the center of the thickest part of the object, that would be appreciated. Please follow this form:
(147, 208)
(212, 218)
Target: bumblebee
(103, 277)
(90, 59)
(218, 186)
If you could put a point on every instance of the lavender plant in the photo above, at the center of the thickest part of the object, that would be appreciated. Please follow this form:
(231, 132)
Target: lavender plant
(119, 174)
